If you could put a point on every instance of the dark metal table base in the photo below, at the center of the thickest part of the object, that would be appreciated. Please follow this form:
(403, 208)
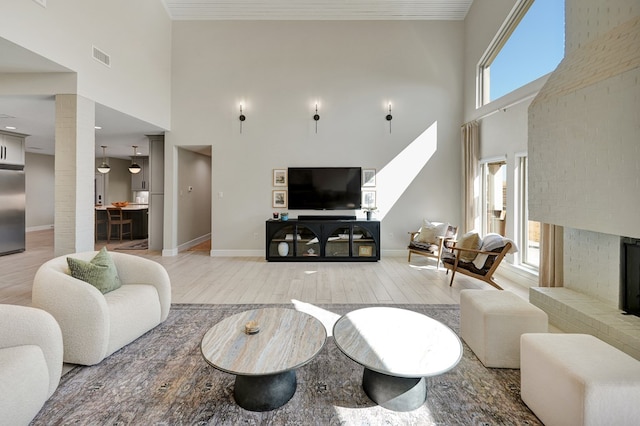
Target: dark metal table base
(394, 393)
(265, 393)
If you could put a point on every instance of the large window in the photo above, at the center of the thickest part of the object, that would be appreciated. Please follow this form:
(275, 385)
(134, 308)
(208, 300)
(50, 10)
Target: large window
(529, 45)
(494, 196)
(529, 230)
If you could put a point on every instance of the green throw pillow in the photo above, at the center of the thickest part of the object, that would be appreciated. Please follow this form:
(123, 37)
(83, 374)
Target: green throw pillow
(100, 272)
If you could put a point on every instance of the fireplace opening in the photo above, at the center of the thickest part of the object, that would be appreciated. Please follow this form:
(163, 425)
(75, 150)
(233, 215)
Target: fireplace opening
(630, 275)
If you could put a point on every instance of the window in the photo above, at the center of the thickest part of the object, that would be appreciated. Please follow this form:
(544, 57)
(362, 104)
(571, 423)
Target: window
(494, 196)
(529, 45)
(529, 235)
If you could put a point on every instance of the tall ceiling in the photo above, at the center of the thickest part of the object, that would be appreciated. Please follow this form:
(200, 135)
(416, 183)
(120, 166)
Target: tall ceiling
(318, 9)
(35, 115)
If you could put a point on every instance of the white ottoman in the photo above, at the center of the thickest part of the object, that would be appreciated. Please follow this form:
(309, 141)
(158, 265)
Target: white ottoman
(577, 379)
(492, 321)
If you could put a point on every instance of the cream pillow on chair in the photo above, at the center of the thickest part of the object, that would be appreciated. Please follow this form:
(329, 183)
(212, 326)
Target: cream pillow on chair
(470, 240)
(430, 232)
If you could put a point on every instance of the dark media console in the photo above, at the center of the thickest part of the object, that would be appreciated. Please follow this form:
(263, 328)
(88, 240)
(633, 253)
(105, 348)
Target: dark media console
(322, 239)
(330, 217)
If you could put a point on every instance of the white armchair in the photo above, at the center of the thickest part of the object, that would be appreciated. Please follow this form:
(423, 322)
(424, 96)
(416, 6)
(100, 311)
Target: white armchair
(30, 362)
(95, 325)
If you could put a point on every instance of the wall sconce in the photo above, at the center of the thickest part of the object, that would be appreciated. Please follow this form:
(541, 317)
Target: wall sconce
(316, 117)
(242, 117)
(134, 167)
(104, 167)
(389, 117)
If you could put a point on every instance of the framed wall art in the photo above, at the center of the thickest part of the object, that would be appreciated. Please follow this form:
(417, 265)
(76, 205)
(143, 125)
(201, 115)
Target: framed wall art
(368, 199)
(368, 177)
(279, 177)
(279, 198)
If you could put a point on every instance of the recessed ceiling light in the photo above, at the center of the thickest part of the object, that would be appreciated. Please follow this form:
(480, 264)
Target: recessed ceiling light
(10, 127)
(98, 128)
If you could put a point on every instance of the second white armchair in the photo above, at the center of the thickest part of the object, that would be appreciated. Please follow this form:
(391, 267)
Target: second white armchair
(95, 325)
(30, 362)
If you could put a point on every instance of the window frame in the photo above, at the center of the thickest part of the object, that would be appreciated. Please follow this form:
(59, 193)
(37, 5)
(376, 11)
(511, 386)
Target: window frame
(484, 163)
(483, 70)
(522, 200)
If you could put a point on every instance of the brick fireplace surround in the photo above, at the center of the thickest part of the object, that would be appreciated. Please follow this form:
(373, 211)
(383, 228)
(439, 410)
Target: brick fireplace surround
(585, 167)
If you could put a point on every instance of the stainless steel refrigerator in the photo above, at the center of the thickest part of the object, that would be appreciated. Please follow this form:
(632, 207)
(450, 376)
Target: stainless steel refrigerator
(12, 205)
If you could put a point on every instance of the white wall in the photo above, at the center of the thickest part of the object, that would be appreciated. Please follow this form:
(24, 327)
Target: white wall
(504, 135)
(353, 69)
(39, 189)
(481, 24)
(137, 36)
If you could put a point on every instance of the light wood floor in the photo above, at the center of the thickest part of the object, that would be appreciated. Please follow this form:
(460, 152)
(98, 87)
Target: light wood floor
(198, 278)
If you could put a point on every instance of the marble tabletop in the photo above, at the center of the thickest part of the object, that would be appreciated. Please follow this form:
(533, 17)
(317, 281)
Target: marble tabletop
(397, 342)
(287, 340)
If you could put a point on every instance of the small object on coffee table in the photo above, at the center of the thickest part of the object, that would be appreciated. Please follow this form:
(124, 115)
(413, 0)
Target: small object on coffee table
(252, 327)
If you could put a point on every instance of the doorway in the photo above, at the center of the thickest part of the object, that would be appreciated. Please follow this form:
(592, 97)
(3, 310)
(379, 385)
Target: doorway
(194, 197)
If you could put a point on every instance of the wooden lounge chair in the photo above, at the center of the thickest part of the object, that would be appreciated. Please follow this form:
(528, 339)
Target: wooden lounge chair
(452, 262)
(431, 250)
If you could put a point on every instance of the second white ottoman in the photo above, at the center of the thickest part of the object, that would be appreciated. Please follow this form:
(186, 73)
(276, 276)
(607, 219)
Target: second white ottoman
(577, 379)
(491, 322)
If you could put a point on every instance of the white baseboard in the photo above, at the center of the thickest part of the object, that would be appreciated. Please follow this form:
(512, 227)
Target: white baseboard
(394, 252)
(237, 253)
(201, 239)
(520, 274)
(261, 252)
(39, 228)
(170, 252)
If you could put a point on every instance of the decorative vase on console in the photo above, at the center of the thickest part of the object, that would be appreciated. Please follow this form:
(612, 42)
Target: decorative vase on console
(369, 211)
(283, 249)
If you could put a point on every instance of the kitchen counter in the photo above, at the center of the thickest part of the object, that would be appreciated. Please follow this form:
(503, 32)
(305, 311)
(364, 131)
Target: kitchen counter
(138, 213)
(128, 207)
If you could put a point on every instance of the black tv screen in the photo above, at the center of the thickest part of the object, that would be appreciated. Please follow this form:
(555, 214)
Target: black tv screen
(325, 188)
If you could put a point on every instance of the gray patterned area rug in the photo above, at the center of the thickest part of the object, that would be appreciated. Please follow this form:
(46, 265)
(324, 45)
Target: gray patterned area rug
(162, 379)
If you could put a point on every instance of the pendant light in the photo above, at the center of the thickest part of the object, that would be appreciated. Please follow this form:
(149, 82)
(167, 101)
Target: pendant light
(134, 167)
(104, 167)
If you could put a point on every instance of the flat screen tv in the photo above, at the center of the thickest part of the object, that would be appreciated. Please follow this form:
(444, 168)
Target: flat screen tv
(325, 188)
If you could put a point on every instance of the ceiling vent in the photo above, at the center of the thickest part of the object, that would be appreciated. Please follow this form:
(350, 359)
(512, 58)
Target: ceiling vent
(101, 57)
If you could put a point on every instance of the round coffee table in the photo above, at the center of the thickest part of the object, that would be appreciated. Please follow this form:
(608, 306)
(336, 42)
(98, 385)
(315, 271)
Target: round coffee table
(398, 349)
(264, 363)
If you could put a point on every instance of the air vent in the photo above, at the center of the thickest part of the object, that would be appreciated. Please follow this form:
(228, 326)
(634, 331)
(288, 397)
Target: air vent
(101, 57)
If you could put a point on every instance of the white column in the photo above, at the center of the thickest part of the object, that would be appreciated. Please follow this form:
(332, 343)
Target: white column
(74, 174)
(156, 192)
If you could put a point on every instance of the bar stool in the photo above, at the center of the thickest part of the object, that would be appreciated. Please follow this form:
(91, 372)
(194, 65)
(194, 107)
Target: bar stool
(116, 218)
